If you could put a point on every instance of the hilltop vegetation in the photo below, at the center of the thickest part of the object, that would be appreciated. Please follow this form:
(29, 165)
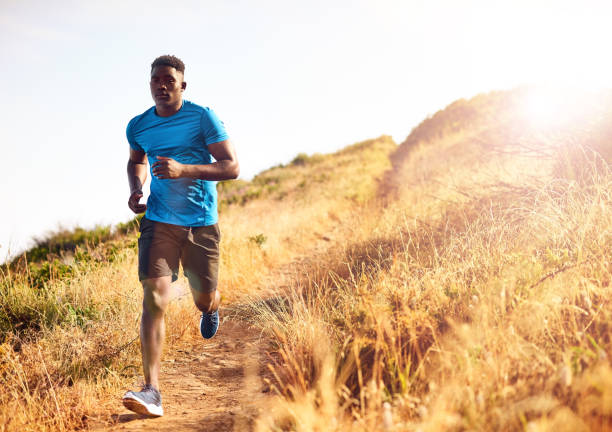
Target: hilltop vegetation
(458, 281)
(474, 296)
(315, 173)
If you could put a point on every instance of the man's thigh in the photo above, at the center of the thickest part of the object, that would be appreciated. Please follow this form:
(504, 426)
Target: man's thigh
(200, 258)
(159, 249)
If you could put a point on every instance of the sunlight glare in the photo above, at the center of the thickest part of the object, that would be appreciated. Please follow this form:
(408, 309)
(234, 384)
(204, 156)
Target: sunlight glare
(555, 107)
(544, 107)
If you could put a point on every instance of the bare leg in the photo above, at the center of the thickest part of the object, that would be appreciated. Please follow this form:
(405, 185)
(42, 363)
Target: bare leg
(152, 327)
(206, 301)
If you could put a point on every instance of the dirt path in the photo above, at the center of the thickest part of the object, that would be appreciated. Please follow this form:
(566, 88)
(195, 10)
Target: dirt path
(217, 385)
(211, 385)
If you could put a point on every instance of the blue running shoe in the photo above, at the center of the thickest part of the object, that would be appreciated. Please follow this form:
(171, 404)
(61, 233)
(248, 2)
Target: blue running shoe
(209, 323)
(147, 401)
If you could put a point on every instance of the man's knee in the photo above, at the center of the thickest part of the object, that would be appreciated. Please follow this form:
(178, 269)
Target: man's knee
(156, 294)
(206, 301)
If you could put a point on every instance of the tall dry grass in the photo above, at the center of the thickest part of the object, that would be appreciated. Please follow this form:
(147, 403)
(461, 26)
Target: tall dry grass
(309, 202)
(477, 299)
(69, 322)
(69, 349)
(466, 288)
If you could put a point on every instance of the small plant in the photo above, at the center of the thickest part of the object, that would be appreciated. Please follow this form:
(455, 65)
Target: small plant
(300, 160)
(258, 239)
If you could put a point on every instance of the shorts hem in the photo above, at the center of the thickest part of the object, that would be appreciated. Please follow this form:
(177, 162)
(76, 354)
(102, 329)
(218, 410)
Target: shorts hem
(145, 277)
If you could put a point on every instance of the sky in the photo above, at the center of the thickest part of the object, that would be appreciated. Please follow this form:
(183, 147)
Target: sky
(286, 77)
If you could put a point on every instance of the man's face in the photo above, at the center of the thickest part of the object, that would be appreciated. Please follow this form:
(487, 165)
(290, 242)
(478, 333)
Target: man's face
(167, 86)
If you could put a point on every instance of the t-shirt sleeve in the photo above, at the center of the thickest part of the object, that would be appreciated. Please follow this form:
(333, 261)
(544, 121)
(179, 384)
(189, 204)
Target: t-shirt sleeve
(211, 128)
(129, 132)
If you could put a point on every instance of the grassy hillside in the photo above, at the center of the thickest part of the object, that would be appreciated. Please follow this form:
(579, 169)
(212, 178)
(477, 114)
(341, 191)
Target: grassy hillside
(474, 296)
(69, 308)
(458, 281)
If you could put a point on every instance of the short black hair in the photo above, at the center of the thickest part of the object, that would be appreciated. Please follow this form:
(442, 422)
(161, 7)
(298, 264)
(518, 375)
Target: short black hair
(169, 60)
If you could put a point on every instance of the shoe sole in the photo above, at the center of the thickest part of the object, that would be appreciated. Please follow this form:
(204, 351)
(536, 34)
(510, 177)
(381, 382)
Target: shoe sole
(141, 407)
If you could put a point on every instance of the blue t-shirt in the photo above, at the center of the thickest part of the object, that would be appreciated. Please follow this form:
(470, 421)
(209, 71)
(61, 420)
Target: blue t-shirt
(184, 137)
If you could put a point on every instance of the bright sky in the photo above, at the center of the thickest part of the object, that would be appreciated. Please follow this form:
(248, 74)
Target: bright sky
(285, 77)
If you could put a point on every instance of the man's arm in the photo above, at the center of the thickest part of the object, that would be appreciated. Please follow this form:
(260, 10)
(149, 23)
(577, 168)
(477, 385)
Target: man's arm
(226, 166)
(137, 175)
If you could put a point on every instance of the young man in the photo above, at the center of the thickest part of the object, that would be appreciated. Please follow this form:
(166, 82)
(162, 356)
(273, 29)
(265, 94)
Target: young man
(180, 140)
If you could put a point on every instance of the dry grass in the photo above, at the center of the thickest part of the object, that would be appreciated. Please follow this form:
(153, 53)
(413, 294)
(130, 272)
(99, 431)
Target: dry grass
(490, 322)
(54, 371)
(70, 326)
(478, 299)
(467, 291)
(309, 202)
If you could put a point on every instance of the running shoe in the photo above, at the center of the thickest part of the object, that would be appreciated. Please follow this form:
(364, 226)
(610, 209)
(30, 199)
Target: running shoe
(209, 323)
(147, 401)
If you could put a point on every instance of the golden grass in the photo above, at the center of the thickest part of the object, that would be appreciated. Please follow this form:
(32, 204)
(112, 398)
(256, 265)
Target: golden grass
(465, 289)
(64, 367)
(70, 346)
(53, 376)
(310, 200)
(477, 300)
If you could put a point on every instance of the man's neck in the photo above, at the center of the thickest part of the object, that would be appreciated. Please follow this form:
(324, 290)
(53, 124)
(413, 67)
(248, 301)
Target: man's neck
(168, 110)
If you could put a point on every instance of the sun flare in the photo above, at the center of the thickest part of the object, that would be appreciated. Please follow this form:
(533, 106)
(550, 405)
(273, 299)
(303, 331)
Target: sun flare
(544, 107)
(557, 107)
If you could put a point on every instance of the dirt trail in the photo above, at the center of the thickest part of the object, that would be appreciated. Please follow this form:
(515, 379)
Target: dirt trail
(211, 385)
(216, 385)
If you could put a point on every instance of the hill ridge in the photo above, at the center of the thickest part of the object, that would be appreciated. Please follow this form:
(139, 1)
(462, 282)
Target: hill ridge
(472, 297)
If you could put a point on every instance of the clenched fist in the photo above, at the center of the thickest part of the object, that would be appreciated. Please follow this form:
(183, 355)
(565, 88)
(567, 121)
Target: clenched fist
(134, 202)
(167, 168)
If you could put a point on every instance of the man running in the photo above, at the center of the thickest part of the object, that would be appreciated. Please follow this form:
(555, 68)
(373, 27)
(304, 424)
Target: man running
(180, 140)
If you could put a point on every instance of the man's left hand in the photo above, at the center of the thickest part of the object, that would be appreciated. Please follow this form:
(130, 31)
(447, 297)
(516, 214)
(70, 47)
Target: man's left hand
(167, 168)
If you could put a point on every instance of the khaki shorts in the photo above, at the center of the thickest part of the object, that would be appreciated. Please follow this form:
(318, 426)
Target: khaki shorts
(162, 246)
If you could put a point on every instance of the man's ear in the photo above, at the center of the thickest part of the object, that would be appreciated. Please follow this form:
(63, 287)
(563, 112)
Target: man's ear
(183, 85)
